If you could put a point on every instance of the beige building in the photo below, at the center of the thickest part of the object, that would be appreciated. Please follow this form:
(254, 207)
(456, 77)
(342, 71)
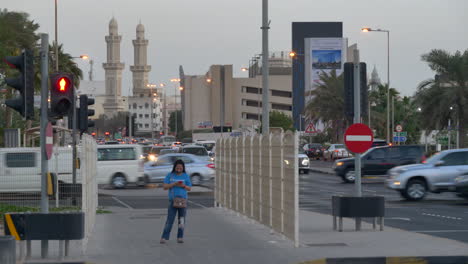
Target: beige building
(204, 100)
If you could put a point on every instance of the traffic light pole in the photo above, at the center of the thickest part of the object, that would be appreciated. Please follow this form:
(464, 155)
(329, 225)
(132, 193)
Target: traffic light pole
(44, 121)
(357, 119)
(74, 147)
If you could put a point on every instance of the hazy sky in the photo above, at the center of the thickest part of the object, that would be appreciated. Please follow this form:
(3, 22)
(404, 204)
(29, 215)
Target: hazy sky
(199, 33)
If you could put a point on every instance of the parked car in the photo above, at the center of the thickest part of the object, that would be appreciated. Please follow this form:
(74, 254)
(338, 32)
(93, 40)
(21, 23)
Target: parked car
(304, 162)
(378, 160)
(314, 150)
(436, 175)
(336, 151)
(199, 151)
(198, 170)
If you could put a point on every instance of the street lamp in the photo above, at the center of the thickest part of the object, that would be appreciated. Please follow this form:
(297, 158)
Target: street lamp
(367, 29)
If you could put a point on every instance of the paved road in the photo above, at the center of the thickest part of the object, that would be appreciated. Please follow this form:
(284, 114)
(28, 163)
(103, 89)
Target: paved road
(443, 215)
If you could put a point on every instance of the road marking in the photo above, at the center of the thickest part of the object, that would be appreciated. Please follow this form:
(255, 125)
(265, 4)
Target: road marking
(440, 231)
(358, 138)
(201, 205)
(443, 216)
(398, 218)
(122, 203)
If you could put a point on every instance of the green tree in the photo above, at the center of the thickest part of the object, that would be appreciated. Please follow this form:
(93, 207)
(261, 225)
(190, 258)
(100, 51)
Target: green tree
(280, 119)
(66, 64)
(378, 109)
(172, 121)
(444, 97)
(327, 104)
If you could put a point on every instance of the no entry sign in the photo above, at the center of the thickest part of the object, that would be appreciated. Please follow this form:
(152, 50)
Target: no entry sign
(358, 138)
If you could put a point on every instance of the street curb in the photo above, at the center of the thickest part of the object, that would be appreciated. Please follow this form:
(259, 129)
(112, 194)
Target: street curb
(392, 260)
(322, 171)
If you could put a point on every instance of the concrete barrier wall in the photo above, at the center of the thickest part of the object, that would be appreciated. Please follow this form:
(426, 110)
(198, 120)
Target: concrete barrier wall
(257, 176)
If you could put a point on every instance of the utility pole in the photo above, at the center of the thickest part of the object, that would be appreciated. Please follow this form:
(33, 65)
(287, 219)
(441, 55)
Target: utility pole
(357, 119)
(44, 120)
(265, 70)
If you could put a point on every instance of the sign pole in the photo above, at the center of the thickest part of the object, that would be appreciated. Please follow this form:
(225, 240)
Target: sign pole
(44, 120)
(357, 119)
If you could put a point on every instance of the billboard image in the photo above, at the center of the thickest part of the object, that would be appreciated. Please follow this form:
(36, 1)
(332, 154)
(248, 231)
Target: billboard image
(326, 59)
(322, 56)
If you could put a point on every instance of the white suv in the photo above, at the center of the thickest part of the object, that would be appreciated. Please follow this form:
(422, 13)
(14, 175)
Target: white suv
(336, 151)
(436, 175)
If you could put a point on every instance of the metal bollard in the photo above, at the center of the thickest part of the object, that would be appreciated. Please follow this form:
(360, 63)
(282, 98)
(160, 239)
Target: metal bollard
(7, 250)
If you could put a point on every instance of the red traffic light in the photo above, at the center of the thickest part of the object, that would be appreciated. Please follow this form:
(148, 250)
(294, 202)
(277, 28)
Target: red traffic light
(63, 84)
(106, 133)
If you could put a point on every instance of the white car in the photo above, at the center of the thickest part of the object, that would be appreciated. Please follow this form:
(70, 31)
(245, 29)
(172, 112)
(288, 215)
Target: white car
(336, 151)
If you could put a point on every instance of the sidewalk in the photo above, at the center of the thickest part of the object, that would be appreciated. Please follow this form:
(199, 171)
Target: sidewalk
(216, 235)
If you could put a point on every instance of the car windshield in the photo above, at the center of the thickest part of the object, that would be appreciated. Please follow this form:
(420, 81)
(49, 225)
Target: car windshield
(339, 146)
(195, 151)
(434, 158)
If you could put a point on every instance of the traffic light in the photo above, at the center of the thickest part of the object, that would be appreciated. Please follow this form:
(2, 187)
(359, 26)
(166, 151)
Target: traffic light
(61, 94)
(24, 83)
(349, 88)
(84, 112)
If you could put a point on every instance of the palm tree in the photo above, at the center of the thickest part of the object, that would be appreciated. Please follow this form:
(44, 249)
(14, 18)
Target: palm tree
(327, 104)
(379, 111)
(445, 96)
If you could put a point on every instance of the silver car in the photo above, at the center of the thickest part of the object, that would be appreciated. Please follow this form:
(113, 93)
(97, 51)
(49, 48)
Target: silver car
(198, 170)
(436, 175)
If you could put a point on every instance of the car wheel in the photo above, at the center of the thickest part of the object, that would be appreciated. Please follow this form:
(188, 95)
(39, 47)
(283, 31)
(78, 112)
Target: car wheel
(415, 190)
(196, 179)
(349, 175)
(119, 181)
(142, 182)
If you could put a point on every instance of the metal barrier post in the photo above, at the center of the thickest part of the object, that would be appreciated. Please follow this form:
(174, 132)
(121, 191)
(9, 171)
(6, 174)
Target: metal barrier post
(7, 250)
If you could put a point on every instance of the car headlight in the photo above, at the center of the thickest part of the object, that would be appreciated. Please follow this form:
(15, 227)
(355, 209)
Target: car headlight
(305, 162)
(461, 178)
(339, 163)
(152, 157)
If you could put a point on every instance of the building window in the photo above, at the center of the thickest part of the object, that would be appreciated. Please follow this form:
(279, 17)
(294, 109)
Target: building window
(146, 115)
(281, 93)
(142, 95)
(283, 107)
(134, 115)
(140, 115)
(252, 103)
(253, 90)
(141, 107)
(129, 106)
(146, 126)
(134, 106)
(140, 125)
(149, 95)
(154, 115)
(146, 105)
(250, 116)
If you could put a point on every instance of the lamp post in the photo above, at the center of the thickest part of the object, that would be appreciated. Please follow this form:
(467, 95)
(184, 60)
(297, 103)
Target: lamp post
(366, 29)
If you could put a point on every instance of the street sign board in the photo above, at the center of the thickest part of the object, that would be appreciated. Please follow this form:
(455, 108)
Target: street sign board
(399, 139)
(311, 129)
(400, 134)
(49, 140)
(399, 128)
(358, 138)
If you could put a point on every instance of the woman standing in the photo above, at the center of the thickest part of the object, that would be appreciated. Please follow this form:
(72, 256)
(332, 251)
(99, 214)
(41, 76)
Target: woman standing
(178, 183)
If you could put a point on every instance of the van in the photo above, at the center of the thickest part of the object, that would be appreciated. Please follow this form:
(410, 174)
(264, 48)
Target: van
(20, 168)
(119, 165)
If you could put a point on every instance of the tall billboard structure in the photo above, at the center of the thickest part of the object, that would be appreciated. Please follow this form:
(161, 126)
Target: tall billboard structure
(300, 32)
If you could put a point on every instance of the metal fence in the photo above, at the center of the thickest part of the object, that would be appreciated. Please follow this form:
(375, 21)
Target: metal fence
(88, 173)
(257, 176)
(20, 181)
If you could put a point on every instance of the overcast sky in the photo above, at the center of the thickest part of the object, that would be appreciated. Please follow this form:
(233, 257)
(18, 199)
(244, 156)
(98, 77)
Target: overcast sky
(199, 33)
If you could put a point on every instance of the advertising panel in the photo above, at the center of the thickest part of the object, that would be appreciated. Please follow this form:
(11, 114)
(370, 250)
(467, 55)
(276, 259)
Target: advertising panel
(322, 55)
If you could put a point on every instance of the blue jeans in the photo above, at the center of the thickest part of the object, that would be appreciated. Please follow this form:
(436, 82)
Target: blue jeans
(171, 213)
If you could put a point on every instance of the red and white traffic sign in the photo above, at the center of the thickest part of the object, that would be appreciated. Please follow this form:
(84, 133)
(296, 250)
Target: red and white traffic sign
(358, 138)
(49, 140)
(311, 129)
(399, 128)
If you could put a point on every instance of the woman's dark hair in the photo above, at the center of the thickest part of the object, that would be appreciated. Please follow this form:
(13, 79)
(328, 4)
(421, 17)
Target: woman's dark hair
(178, 162)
